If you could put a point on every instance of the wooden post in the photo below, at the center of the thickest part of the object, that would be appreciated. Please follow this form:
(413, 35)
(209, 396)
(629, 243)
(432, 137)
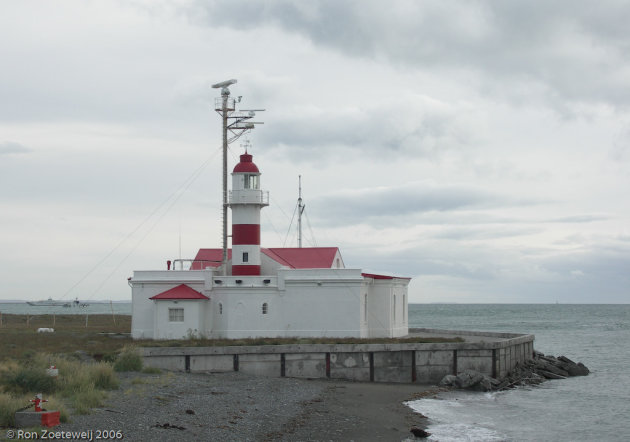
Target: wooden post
(111, 305)
(54, 319)
(86, 320)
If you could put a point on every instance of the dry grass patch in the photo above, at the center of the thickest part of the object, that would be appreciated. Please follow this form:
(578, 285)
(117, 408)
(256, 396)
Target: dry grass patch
(102, 338)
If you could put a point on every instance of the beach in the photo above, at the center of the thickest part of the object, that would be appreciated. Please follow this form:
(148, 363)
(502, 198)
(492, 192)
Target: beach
(233, 406)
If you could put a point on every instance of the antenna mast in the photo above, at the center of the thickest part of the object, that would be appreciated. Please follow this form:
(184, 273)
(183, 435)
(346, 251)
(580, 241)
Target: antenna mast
(236, 123)
(301, 208)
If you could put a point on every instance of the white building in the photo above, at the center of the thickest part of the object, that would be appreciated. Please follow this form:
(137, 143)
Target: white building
(263, 292)
(266, 292)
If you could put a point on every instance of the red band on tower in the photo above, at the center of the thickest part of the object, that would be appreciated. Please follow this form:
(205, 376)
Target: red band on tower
(246, 234)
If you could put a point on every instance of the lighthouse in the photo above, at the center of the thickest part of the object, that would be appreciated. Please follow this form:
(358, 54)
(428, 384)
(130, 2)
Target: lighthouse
(226, 297)
(246, 200)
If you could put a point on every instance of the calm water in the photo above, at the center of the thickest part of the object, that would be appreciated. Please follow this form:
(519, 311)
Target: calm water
(591, 408)
(93, 308)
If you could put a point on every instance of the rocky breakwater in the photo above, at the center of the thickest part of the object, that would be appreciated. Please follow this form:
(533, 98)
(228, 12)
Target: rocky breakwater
(531, 372)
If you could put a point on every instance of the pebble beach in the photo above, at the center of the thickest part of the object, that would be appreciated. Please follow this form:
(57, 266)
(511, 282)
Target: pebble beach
(234, 406)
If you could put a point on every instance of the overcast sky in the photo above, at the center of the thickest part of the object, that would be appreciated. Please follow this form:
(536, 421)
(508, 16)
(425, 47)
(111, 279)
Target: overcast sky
(481, 148)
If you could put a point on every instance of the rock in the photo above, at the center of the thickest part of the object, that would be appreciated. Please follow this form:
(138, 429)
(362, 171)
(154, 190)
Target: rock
(468, 378)
(572, 368)
(448, 380)
(419, 432)
(488, 384)
(549, 374)
(582, 370)
(546, 366)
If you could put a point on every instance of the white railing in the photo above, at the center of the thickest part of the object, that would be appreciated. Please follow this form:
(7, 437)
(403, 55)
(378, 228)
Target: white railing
(249, 196)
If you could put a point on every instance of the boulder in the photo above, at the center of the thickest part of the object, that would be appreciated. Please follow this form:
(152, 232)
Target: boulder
(448, 380)
(419, 432)
(468, 379)
(549, 374)
(542, 364)
(572, 368)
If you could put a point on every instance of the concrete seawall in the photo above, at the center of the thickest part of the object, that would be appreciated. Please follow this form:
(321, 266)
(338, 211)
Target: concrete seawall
(493, 354)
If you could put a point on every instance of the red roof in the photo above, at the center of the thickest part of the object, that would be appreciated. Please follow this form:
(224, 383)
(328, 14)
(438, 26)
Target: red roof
(375, 276)
(182, 291)
(246, 165)
(303, 258)
(295, 258)
(209, 258)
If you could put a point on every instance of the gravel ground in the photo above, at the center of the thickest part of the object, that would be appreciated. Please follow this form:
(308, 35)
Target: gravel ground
(237, 407)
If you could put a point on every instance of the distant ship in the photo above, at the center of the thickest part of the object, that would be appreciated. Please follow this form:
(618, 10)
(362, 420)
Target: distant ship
(52, 303)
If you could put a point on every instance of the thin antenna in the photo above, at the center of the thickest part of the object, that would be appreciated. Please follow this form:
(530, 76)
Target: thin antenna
(180, 236)
(301, 208)
(239, 124)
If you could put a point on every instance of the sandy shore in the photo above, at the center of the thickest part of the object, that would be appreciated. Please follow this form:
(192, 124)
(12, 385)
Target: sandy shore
(360, 411)
(234, 406)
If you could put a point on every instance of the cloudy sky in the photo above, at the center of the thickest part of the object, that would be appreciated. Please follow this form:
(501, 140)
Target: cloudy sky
(482, 148)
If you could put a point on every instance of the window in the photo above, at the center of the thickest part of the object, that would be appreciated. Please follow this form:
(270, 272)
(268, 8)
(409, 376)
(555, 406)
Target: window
(245, 257)
(251, 182)
(220, 308)
(175, 315)
(394, 308)
(265, 308)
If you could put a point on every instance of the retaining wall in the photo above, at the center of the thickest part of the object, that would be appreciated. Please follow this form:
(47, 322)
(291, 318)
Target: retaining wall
(493, 354)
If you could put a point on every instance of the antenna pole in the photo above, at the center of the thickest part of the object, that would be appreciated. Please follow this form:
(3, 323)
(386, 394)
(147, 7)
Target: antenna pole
(300, 210)
(225, 94)
(237, 123)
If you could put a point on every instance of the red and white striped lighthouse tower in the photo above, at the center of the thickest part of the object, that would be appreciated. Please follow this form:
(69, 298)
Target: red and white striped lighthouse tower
(246, 200)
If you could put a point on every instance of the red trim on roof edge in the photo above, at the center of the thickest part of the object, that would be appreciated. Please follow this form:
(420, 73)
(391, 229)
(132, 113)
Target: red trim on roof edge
(182, 292)
(375, 276)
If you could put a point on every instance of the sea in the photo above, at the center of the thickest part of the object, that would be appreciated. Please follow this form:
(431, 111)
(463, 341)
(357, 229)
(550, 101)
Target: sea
(591, 408)
(85, 308)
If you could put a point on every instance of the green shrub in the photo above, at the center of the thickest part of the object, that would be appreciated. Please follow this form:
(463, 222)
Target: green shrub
(86, 398)
(28, 379)
(128, 360)
(103, 376)
(151, 370)
(8, 406)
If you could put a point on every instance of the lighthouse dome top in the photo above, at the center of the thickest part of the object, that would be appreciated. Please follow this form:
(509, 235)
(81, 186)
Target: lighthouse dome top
(246, 165)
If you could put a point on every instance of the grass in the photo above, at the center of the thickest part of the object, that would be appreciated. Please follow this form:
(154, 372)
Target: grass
(19, 338)
(128, 360)
(80, 386)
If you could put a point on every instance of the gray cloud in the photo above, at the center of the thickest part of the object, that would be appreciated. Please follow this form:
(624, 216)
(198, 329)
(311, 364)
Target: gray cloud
(10, 147)
(422, 128)
(562, 49)
(397, 203)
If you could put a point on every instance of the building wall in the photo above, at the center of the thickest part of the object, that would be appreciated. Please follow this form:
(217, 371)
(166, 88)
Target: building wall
(387, 310)
(148, 283)
(193, 324)
(425, 363)
(299, 303)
